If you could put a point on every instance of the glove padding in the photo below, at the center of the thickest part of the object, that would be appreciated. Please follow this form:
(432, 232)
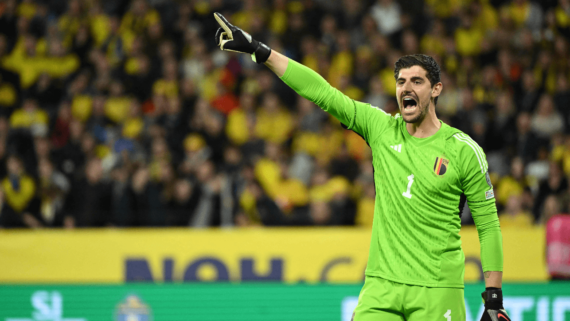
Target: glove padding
(494, 310)
(232, 38)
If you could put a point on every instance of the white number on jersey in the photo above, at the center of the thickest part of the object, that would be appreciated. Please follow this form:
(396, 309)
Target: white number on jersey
(410, 182)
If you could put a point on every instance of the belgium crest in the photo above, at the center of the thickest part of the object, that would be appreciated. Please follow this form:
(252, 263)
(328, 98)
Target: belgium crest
(440, 166)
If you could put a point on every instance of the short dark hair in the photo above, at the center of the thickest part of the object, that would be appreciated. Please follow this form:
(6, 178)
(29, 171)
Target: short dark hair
(426, 62)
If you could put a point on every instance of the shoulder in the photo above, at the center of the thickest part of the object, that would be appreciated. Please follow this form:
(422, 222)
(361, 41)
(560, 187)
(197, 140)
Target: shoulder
(468, 151)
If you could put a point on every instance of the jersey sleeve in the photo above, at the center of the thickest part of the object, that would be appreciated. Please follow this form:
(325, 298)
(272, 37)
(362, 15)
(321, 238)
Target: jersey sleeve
(364, 119)
(478, 190)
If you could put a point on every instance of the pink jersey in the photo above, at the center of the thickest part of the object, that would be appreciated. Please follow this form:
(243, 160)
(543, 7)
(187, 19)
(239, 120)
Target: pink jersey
(558, 245)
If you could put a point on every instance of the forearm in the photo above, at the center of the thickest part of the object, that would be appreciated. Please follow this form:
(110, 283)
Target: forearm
(277, 63)
(490, 238)
(493, 279)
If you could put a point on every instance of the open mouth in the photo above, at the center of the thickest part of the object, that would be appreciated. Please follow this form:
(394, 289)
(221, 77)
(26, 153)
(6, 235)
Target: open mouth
(409, 103)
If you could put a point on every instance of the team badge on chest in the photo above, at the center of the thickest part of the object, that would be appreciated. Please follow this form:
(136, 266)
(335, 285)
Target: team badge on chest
(440, 166)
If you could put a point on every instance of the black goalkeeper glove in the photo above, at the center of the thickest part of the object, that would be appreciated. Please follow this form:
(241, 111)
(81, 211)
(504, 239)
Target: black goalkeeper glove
(494, 311)
(232, 38)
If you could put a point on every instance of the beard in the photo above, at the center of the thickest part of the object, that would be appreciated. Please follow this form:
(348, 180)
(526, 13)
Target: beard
(419, 117)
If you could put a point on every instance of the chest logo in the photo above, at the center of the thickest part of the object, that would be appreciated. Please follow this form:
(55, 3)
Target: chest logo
(440, 166)
(397, 148)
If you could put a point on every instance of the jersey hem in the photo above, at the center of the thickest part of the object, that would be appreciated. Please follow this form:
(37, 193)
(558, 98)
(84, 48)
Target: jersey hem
(426, 284)
(493, 269)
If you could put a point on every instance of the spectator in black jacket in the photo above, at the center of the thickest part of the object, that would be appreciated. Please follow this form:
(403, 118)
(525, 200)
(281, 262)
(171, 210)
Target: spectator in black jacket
(90, 199)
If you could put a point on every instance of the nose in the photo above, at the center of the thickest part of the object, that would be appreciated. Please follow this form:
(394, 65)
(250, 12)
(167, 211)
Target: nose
(407, 87)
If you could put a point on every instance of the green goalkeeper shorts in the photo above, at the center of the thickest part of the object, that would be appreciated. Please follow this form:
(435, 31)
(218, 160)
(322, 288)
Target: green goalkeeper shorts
(383, 300)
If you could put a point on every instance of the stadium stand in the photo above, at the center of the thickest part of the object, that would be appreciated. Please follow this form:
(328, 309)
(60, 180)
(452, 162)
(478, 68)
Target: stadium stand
(124, 113)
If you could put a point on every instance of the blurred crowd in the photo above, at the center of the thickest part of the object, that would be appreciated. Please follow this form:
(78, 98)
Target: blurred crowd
(125, 113)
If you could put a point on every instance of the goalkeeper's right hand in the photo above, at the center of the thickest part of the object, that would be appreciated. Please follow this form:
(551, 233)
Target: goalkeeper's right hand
(232, 38)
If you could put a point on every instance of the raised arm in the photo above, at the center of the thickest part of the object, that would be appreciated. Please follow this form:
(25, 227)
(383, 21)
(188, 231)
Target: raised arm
(364, 119)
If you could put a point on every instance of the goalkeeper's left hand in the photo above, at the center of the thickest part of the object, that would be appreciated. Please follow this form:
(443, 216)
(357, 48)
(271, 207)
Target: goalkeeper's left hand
(494, 311)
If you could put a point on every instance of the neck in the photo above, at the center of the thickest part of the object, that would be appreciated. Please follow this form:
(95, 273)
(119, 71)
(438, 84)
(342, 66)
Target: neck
(426, 127)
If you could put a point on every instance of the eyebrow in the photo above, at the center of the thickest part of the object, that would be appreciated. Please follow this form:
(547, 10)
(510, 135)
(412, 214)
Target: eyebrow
(412, 79)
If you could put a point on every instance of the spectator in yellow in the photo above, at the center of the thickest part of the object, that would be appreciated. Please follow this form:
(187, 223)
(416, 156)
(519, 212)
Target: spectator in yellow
(512, 184)
(8, 96)
(272, 174)
(100, 24)
(168, 84)
(27, 9)
(485, 16)
(31, 117)
(60, 63)
(134, 124)
(309, 120)
(434, 40)
(310, 53)
(467, 37)
(237, 126)
(22, 60)
(514, 216)
(387, 74)
(137, 20)
(196, 152)
(113, 45)
(325, 189)
(70, 21)
(19, 190)
(274, 123)
(278, 18)
(82, 103)
(342, 61)
(525, 13)
(267, 170)
(346, 87)
(561, 154)
(365, 206)
(331, 140)
(118, 105)
(445, 8)
(562, 14)
(250, 15)
(290, 192)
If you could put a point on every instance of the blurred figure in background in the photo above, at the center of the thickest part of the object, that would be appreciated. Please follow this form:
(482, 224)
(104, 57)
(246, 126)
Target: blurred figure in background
(514, 215)
(554, 185)
(558, 246)
(89, 202)
(19, 190)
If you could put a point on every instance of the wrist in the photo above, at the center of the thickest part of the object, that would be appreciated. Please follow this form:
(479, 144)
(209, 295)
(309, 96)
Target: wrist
(261, 52)
(493, 298)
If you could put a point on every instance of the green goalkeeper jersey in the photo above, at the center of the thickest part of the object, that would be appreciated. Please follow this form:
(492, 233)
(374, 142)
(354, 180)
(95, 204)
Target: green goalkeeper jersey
(420, 184)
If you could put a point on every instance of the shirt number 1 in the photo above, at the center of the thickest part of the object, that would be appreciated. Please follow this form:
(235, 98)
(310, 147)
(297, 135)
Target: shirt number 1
(410, 182)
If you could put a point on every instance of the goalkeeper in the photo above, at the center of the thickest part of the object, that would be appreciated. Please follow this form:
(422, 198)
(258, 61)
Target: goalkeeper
(424, 171)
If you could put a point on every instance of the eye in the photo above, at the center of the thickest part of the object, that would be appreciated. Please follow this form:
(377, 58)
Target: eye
(417, 82)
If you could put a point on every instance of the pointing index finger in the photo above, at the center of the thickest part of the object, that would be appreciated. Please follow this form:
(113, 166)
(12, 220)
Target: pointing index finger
(224, 24)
